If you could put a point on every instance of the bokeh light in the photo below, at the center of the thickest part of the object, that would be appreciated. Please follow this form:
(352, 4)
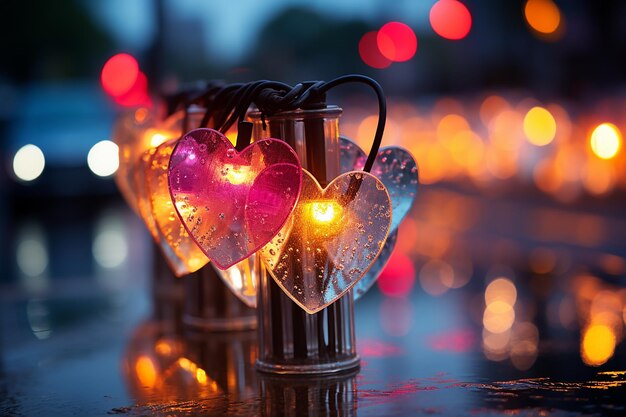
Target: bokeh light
(137, 95)
(539, 126)
(606, 141)
(598, 344)
(543, 16)
(396, 42)
(119, 74)
(146, 371)
(103, 158)
(369, 52)
(110, 248)
(436, 277)
(501, 289)
(450, 19)
(28, 163)
(498, 317)
(398, 277)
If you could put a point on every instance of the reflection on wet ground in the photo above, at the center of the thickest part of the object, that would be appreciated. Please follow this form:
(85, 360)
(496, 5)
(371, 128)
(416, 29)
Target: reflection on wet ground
(488, 307)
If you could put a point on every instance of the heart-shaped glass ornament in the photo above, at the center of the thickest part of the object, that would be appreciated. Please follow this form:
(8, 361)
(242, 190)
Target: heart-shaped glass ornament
(134, 133)
(331, 240)
(241, 278)
(175, 236)
(144, 208)
(394, 166)
(232, 203)
(369, 279)
(127, 132)
(397, 169)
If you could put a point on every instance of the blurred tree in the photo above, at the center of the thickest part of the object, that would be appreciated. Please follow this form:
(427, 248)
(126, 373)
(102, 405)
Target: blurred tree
(49, 39)
(300, 44)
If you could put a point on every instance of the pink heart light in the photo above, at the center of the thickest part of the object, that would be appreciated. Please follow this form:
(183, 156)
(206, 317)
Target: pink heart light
(232, 203)
(240, 278)
(332, 239)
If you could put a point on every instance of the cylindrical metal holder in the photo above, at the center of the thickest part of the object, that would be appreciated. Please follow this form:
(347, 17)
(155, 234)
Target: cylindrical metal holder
(168, 292)
(292, 341)
(211, 306)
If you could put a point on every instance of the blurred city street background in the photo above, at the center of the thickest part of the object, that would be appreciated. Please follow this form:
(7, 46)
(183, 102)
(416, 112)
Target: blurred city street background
(510, 267)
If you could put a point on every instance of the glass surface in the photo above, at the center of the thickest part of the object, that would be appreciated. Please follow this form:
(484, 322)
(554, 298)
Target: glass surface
(232, 203)
(331, 240)
(369, 279)
(128, 134)
(397, 170)
(173, 238)
(394, 167)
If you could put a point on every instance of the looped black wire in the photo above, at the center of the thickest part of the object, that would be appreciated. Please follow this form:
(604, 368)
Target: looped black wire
(270, 101)
(249, 98)
(242, 106)
(217, 100)
(382, 110)
(229, 103)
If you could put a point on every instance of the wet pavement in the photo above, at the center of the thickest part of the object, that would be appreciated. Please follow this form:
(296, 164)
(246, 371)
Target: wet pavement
(486, 318)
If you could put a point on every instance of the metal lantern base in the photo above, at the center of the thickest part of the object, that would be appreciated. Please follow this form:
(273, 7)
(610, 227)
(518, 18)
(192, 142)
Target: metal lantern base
(331, 368)
(210, 306)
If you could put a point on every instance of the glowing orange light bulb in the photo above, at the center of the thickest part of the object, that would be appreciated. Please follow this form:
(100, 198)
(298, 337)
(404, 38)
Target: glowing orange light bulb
(155, 137)
(238, 174)
(606, 140)
(324, 212)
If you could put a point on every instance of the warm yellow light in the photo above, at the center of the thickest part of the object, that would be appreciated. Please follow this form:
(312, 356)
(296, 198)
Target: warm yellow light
(183, 209)
(543, 16)
(324, 212)
(196, 262)
(201, 376)
(146, 372)
(598, 344)
(501, 289)
(539, 126)
(163, 347)
(498, 317)
(238, 174)
(232, 136)
(28, 163)
(155, 137)
(103, 158)
(250, 288)
(194, 369)
(606, 140)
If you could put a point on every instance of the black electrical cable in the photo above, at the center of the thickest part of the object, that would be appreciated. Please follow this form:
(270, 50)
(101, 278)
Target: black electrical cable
(382, 110)
(224, 93)
(241, 107)
(241, 110)
(229, 103)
